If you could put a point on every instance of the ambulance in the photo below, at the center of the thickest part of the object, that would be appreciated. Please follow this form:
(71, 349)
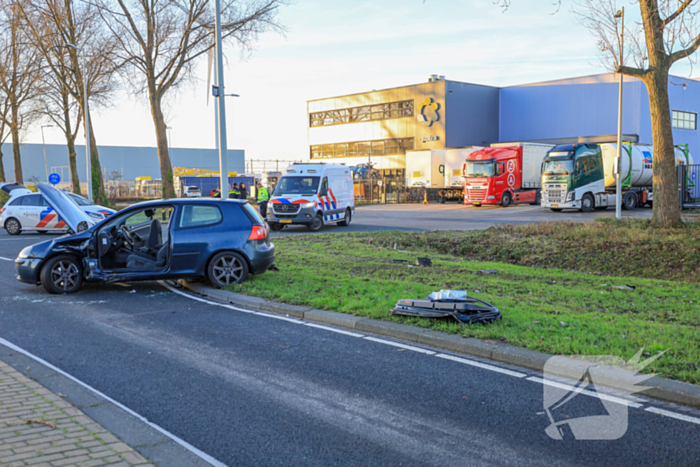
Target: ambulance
(312, 194)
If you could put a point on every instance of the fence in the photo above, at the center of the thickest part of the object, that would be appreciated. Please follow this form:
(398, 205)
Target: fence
(391, 191)
(688, 186)
(258, 167)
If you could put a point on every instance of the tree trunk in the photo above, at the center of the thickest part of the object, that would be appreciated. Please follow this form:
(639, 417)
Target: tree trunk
(98, 187)
(2, 167)
(166, 168)
(14, 128)
(666, 211)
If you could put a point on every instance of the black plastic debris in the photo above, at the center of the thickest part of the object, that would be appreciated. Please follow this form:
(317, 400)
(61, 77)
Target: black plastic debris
(399, 261)
(273, 268)
(468, 310)
(550, 283)
(423, 262)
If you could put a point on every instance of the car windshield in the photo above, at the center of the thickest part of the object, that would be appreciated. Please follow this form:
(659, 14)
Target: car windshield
(479, 169)
(558, 166)
(289, 185)
(79, 200)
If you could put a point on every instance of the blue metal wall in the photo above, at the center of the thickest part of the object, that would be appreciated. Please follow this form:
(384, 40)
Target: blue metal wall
(471, 114)
(135, 161)
(587, 106)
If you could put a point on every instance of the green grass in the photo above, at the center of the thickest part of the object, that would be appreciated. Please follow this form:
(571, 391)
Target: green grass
(582, 314)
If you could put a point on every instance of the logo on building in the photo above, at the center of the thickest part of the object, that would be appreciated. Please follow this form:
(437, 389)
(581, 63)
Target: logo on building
(425, 139)
(429, 112)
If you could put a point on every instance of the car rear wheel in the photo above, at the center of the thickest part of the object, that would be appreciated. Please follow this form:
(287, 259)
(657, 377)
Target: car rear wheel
(227, 268)
(348, 217)
(62, 275)
(13, 226)
(317, 224)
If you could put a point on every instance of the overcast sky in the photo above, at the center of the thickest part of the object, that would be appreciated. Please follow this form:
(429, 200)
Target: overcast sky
(342, 47)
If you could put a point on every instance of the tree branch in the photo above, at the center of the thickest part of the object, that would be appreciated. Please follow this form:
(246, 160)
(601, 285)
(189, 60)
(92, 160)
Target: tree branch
(631, 71)
(675, 14)
(687, 51)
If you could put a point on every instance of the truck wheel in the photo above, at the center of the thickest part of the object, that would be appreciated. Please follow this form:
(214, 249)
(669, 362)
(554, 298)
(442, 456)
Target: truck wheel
(62, 274)
(506, 199)
(13, 226)
(317, 224)
(587, 203)
(629, 201)
(556, 209)
(348, 217)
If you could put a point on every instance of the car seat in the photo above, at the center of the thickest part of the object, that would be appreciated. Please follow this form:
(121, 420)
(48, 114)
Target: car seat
(148, 263)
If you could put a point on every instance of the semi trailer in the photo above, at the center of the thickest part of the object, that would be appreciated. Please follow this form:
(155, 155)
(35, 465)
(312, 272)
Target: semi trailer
(582, 176)
(438, 171)
(505, 174)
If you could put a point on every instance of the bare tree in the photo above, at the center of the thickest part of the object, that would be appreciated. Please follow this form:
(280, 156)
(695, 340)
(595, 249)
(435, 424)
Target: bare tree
(114, 175)
(669, 32)
(4, 130)
(20, 66)
(52, 26)
(160, 40)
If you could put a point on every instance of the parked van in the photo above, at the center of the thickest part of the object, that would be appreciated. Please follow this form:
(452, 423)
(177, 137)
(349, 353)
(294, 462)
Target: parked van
(312, 195)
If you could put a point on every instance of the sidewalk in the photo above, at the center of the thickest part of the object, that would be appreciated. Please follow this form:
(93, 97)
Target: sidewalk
(73, 438)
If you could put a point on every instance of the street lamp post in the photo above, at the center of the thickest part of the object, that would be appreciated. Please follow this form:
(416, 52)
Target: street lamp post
(170, 134)
(87, 120)
(618, 162)
(43, 144)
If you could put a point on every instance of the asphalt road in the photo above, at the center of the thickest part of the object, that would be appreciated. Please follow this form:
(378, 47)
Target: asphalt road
(452, 216)
(254, 389)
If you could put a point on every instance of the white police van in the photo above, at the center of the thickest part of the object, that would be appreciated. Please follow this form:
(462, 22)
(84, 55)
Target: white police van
(312, 194)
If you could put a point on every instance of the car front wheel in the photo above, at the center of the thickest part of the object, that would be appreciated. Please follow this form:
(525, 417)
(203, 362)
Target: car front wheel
(62, 275)
(317, 224)
(227, 268)
(13, 226)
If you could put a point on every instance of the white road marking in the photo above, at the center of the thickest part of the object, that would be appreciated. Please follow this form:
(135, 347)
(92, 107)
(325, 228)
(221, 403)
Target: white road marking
(587, 392)
(403, 346)
(5, 259)
(465, 361)
(339, 331)
(202, 455)
(675, 415)
(481, 365)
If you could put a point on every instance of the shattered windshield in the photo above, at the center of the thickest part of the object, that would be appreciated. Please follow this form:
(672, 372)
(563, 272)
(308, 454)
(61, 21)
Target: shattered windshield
(479, 169)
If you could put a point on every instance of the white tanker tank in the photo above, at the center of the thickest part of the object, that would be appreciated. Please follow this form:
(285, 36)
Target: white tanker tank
(636, 163)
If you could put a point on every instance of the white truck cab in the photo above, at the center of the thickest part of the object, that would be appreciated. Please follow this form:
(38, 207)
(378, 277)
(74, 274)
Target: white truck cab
(312, 194)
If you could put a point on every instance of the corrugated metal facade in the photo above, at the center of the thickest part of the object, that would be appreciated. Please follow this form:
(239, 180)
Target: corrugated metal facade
(134, 161)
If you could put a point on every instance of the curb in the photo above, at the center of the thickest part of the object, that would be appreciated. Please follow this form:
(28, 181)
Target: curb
(659, 388)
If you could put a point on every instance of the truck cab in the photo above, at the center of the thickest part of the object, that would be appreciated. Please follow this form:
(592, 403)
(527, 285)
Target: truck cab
(572, 176)
(495, 176)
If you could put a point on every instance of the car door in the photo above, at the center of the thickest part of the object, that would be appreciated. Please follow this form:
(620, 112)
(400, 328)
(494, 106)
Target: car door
(33, 215)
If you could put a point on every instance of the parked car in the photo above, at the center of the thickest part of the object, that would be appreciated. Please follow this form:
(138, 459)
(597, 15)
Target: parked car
(26, 210)
(193, 192)
(312, 195)
(222, 240)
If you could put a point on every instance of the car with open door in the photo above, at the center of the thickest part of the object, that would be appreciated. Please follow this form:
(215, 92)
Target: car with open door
(221, 240)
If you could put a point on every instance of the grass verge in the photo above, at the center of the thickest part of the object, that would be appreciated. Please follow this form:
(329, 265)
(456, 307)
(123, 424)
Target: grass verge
(582, 313)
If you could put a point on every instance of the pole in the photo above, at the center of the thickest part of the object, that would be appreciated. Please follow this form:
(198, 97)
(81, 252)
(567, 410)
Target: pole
(43, 144)
(87, 130)
(221, 104)
(618, 182)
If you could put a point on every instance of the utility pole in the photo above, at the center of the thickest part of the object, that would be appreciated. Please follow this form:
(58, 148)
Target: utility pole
(43, 144)
(618, 182)
(221, 104)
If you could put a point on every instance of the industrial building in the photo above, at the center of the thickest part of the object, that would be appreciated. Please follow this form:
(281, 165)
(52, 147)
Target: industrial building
(130, 162)
(384, 126)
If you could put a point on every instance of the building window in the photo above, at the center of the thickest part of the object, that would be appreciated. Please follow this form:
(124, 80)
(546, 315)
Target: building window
(685, 120)
(363, 113)
(363, 148)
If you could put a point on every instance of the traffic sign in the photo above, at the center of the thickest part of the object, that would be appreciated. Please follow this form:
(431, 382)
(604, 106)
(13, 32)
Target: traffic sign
(54, 179)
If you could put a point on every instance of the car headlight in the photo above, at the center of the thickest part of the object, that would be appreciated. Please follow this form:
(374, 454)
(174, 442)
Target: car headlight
(25, 252)
(96, 215)
(307, 205)
(570, 196)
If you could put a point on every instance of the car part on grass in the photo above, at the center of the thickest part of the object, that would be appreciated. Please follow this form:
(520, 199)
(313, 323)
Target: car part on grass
(550, 282)
(470, 310)
(448, 295)
(423, 262)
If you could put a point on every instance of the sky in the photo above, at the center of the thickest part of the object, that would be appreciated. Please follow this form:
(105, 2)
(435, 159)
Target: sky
(333, 48)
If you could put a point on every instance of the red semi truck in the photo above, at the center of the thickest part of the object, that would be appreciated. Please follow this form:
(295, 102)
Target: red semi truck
(505, 174)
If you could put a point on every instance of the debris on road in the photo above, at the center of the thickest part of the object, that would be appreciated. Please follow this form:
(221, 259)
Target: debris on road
(29, 422)
(449, 303)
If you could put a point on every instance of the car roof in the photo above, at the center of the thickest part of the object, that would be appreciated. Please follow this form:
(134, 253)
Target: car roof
(161, 202)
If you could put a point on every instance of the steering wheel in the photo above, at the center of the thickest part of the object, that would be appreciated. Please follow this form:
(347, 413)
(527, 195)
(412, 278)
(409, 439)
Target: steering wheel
(126, 235)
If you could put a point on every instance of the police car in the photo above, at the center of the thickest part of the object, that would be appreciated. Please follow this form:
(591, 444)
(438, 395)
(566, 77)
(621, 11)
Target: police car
(26, 210)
